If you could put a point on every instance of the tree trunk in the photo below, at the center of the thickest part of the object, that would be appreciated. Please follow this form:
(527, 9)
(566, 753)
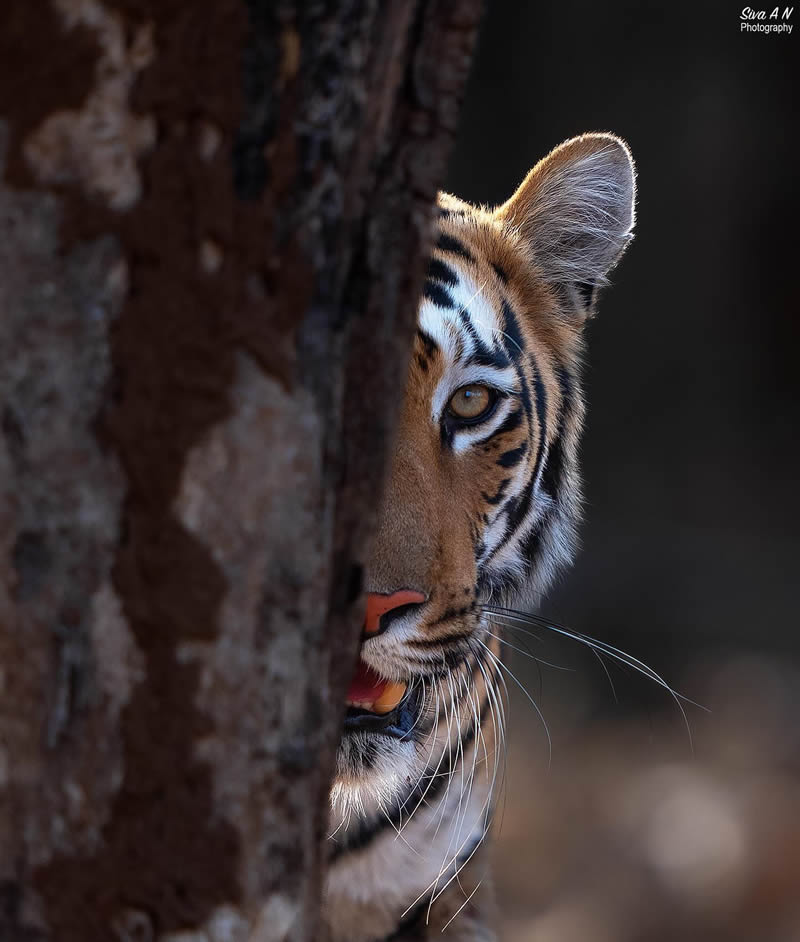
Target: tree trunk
(213, 219)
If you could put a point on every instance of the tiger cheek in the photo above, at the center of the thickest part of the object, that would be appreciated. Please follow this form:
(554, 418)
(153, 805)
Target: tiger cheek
(472, 483)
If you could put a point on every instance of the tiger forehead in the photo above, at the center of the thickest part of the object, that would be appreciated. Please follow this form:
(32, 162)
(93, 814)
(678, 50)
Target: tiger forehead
(471, 247)
(476, 245)
(464, 310)
(482, 318)
(473, 240)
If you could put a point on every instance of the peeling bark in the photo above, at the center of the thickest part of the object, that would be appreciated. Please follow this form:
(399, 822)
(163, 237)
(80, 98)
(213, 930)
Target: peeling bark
(213, 220)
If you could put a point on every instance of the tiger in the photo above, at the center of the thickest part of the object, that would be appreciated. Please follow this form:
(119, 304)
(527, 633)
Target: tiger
(480, 510)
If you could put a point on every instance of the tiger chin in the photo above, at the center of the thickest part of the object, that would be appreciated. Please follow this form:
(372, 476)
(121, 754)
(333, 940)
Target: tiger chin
(480, 510)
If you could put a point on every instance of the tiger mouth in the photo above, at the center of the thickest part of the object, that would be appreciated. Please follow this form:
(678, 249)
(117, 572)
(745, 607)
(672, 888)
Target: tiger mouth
(378, 705)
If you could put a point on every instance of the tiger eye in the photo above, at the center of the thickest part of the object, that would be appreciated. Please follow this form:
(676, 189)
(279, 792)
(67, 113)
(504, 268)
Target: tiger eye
(470, 402)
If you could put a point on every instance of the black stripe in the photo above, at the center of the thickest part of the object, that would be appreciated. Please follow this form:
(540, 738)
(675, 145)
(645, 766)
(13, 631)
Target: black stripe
(425, 355)
(447, 213)
(446, 433)
(516, 510)
(369, 754)
(525, 395)
(448, 615)
(428, 342)
(413, 922)
(369, 829)
(565, 383)
(500, 272)
(540, 393)
(497, 582)
(511, 422)
(531, 546)
(483, 355)
(586, 292)
(496, 498)
(453, 613)
(510, 459)
(428, 643)
(448, 243)
(515, 342)
(522, 505)
(441, 271)
(440, 296)
(551, 476)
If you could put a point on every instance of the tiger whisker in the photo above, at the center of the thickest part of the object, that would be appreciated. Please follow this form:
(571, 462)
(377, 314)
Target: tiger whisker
(461, 907)
(464, 799)
(539, 660)
(595, 653)
(426, 764)
(459, 746)
(451, 860)
(448, 750)
(438, 765)
(603, 647)
(522, 687)
(397, 828)
(500, 728)
(485, 814)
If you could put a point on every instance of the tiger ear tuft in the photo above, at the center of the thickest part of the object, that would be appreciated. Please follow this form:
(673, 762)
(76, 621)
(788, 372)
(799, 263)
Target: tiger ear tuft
(575, 214)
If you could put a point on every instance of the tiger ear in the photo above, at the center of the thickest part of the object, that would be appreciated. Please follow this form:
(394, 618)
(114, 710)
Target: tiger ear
(575, 214)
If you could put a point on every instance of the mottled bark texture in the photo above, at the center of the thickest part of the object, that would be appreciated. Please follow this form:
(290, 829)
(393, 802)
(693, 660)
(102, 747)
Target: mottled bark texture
(213, 219)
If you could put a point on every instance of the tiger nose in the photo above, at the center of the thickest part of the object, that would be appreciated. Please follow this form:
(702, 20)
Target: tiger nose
(383, 609)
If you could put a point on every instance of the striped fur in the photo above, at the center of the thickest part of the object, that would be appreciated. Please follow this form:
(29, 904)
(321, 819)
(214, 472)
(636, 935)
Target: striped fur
(472, 514)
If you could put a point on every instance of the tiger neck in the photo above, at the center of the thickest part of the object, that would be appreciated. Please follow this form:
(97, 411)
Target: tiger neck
(384, 867)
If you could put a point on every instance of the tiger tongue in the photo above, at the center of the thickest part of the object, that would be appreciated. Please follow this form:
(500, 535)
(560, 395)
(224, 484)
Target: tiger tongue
(372, 692)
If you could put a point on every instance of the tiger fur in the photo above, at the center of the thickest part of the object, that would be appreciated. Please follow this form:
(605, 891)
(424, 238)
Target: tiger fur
(476, 509)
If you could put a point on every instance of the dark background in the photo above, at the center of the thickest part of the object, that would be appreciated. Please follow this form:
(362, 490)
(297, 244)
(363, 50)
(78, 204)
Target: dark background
(690, 541)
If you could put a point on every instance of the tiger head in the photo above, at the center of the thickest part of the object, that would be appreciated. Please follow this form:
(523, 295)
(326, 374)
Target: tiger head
(483, 494)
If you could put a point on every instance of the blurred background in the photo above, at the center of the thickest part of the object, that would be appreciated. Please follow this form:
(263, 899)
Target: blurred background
(690, 545)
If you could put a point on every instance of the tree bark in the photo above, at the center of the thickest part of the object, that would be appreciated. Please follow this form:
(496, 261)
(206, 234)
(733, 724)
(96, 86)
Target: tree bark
(213, 219)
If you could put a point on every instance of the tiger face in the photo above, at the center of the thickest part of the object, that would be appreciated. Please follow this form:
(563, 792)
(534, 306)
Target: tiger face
(482, 495)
